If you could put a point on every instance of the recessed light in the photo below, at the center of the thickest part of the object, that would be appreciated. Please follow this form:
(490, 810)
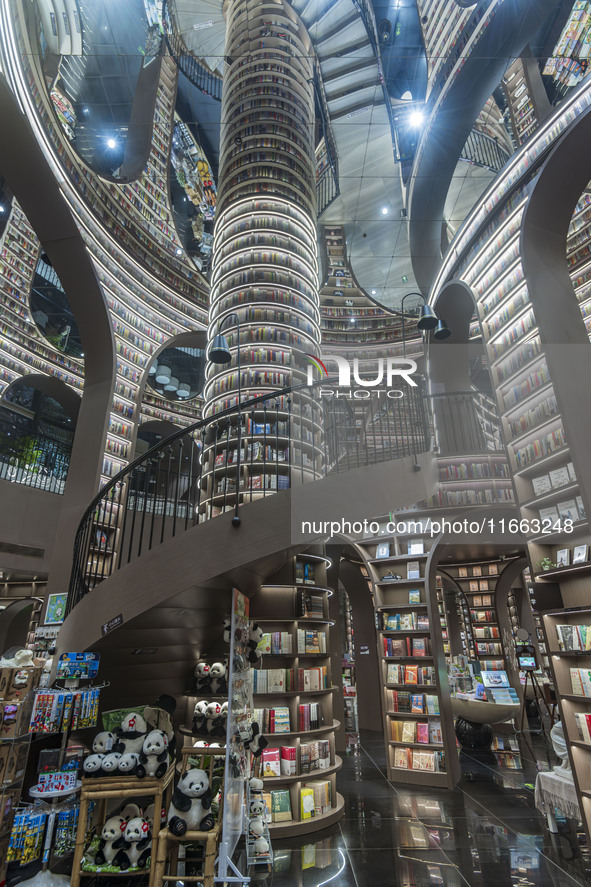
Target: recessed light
(2, 208)
(373, 292)
(352, 320)
(385, 210)
(416, 118)
(111, 143)
(85, 110)
(179, 251)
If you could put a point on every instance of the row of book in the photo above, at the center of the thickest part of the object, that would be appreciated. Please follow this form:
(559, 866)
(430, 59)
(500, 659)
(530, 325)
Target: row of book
(574, 637)
(510, 761)
(580, 679)
(489, 631)
(273, 720)
(405, 621)
(312, 606)
(427, 732)
(415, 759)
(414, 703)
(286, 680)
(283, 761)
(483, 616)
(311, 641)
(275, 642)
(489, 649)
(314, 800)
(410, 674)
(404, 647)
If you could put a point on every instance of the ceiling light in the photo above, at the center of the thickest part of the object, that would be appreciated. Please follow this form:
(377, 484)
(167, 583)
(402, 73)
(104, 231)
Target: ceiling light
(385, 210)
(2, 208)
(153, 368)
(352, 320)
(416, 118)
(85, 110)
(373, 292)
(172, 384)
(179, 251)
(111, 143)
(184, 390)
(163, 374)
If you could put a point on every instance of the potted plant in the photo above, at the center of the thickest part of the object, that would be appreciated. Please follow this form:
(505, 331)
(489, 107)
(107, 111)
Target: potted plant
(546, 563)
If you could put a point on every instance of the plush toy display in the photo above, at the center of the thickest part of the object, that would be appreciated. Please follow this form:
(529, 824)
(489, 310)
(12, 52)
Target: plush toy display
(190, 806)
(255, 636)
(217, 674)
(93, 765)
(103, 743)
(136, 845)
(153, 759)
(131, 734)
(199, 716)
(202, 679)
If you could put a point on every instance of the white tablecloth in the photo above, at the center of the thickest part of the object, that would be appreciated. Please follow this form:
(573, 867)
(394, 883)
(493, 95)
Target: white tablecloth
(554, 791)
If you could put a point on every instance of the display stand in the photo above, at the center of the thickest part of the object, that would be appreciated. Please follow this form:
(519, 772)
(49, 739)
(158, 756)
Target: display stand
(117, 789)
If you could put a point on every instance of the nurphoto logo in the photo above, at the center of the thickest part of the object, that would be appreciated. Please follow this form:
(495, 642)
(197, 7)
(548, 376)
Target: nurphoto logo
(387, 370)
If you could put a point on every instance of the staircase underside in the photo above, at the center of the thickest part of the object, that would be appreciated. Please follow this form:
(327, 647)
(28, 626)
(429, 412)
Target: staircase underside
(173, 599)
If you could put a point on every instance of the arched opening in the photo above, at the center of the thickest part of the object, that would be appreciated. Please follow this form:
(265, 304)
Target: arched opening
(38, 416)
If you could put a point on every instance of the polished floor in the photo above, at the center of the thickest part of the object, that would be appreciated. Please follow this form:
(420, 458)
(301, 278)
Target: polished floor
(485, 833)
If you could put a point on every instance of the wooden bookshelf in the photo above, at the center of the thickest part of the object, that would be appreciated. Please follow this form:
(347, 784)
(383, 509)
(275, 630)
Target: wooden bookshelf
(410, 640)
(292, 610)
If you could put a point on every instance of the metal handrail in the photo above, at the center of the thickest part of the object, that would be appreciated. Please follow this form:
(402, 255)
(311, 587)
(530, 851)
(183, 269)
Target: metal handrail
(288, 437)
(482, 150)
(207, 81)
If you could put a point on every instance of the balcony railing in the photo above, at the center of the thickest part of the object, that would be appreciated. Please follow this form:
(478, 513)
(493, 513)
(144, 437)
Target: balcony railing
(482, 150)
(200, 76)
(32, 460)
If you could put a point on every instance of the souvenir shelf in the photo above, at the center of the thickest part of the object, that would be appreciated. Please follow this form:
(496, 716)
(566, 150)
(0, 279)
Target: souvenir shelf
(566, 632)
(418, 724)
(293, 694)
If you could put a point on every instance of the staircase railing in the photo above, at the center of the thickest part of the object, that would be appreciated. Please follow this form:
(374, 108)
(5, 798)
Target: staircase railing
(482, 150)
(286, 438)
(200, 76)
(268, 444)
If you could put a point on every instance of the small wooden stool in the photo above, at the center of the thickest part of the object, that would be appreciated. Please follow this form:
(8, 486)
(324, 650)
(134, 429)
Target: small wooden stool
(211, 839)
(118, 789)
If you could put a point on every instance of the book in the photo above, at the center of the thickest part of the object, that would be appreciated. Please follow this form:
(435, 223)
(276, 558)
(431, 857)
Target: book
(568, 510)
(414, 596)
(477, 600)
(423, 732)
(383, 550)
(307, 805)
(270, 763)
(493, 570)
(416, 546)
(401, 761)
(473, 586)
(580, 554)
(581, 508)
(288, 760)
(483, 585)
(477, 570)
(559, 477)
(462, 572)
(321, 794)
(541, 484)
(417, 703)
(280, 805)
(549, 514)
(563, 557)
(408, 731)
(413, 570)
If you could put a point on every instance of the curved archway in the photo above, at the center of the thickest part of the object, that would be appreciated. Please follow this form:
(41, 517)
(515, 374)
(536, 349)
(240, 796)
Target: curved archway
(69, 399)
(559, 185)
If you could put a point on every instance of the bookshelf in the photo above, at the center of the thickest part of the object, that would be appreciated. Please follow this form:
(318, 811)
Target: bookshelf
(571, 666)
(293, 692)
(417, 719)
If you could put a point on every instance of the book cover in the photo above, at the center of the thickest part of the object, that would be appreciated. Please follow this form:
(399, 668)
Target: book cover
(549, 514)
(463, 572)
(419, 646)
(563, 557)
(477, 570)
(416, 546)
(414, 596)
(417, 703)
(493, 570)
(413, 570)
(383, 550)
(280, 805)
(580, 554)
(568, 510)
(288, 760)
(559, 477)
(483, 585)
(270, 763)
(541, 484)
(423, 733)
(307, 806)
(408, 731)
(400, 759)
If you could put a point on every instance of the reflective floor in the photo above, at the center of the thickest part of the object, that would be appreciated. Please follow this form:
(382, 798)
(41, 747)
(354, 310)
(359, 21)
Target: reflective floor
(486, 832)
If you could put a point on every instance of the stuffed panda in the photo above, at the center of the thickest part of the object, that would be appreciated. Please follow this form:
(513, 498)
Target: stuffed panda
(227, 631)
(252, 739)
(131, 734)
(202, 683)
(112, 830)
(257, 807)
(219, 684)
(190, 806)
(154, 755)
(201, 744)
(111, 833)
(212, 718)
(199, 716)
(255, 635)
(136, 845)
(103, 743)
(110, 764)
(128, 764)
(256, 828)
(93, 765)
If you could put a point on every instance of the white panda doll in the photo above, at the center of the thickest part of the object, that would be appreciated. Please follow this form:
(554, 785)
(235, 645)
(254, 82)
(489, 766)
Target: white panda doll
(190, 807)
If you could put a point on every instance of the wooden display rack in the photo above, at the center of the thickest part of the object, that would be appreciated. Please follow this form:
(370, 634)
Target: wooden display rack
(167, 844)
(118, 789)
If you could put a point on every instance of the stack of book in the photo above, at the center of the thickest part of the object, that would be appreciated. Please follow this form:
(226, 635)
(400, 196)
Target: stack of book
(320, 794)
(314, 756)
(312, 606)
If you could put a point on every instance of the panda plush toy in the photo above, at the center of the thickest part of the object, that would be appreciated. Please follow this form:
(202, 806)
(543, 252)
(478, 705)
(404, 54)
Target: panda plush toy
(190, 808)
(128, 763)
(93, 765)
(199, 716)
(255, 635)
(202, 679)
(135, 845)
(154, 755)
(110, 764)
(213, 719)
(112, 831)
(217, 674)
(130, 736)
(103, 743)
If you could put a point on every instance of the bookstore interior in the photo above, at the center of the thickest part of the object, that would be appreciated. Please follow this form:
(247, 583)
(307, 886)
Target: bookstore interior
(295, 556)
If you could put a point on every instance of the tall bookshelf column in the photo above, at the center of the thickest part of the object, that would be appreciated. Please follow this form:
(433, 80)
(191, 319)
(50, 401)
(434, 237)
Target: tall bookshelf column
(265, 268)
